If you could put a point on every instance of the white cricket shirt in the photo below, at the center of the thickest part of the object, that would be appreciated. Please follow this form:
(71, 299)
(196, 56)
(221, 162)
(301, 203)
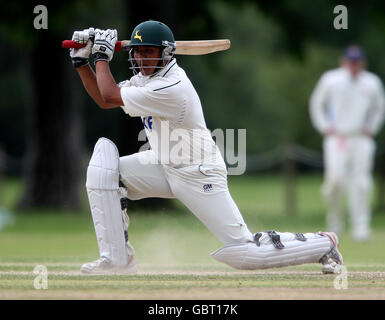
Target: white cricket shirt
(346, 104)
(172, 116)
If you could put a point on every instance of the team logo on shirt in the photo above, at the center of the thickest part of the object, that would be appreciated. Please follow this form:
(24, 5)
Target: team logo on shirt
(147, 122)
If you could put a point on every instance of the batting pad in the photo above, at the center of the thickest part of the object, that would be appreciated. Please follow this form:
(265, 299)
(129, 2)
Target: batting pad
(249, 256)
(103, 195)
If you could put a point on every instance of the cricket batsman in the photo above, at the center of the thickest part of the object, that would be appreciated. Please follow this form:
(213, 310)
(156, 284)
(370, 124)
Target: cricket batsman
(163, 96)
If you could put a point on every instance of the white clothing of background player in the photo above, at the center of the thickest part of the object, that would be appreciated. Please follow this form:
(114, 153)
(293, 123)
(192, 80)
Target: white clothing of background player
(347, 108)
(163, 96)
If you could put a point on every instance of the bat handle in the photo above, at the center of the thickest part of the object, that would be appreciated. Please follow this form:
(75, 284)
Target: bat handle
(67, 44)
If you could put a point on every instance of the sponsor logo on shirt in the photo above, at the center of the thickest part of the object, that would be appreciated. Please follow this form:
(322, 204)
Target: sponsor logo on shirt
(147, 122)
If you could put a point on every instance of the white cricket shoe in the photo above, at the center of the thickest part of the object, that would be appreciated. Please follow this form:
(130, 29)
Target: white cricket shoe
(332, 261)
(104, 266)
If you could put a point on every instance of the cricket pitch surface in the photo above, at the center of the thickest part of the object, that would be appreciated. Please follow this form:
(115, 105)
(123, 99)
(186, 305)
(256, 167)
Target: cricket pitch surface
(56, 280)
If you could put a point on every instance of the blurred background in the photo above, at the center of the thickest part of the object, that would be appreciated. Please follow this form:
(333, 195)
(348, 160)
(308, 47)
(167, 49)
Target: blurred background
(49, 125)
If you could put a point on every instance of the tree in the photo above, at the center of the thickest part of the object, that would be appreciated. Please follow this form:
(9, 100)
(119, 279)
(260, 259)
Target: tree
(54, 131)
(54, 153)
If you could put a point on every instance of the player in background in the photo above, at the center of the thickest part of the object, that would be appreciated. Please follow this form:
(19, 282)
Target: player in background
(163, 96)
(347, 108)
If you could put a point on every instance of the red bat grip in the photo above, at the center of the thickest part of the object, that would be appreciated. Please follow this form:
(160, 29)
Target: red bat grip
(67, 44)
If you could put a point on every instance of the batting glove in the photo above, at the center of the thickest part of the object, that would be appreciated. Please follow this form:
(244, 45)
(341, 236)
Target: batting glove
(80, 56)
(104, 44)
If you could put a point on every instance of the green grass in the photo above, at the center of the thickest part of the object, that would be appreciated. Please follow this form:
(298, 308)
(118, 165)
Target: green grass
(173, 250)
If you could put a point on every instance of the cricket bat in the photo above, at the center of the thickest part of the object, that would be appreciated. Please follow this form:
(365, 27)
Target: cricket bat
(193, 47)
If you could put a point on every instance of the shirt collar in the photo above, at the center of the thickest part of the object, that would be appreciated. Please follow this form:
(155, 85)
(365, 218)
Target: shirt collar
(167, 69)
(349, 75)
(172, 65)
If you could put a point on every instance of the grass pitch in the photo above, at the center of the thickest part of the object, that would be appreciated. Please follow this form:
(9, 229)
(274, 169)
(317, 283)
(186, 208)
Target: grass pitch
(189, 282)
(173, 250)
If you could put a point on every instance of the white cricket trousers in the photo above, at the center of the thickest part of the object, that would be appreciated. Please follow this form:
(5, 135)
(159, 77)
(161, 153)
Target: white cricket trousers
(348, 171)
(201, 188)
